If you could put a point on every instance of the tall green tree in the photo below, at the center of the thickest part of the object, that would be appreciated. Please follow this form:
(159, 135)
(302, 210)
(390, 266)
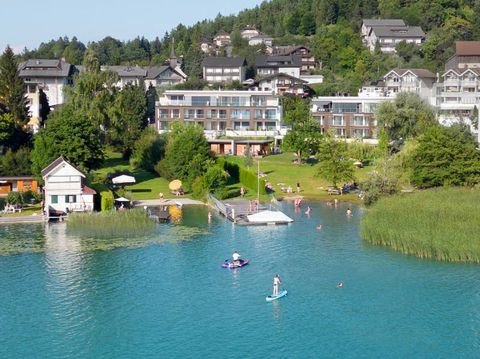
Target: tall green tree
(128, 117)
(304, 135)
(12, 88)
(187, 153)
(44, 106)
(68, 135)
(152, 97)
(405, 117)
(446, 156)
(334, 164)
(93, 94)
(7, 130)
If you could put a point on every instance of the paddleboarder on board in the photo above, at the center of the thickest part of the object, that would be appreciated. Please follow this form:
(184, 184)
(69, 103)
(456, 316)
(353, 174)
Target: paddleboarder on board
(276, 285)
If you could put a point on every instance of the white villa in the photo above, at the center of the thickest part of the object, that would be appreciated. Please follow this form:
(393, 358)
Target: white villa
(49, 75)
(64, 190)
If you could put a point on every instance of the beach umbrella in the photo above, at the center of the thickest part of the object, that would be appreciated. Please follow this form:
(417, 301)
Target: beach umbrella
(123, 179)
(175, 185)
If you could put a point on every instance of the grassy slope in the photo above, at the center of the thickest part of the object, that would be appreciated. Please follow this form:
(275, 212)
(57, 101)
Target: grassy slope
(278, 168)
(281, 169)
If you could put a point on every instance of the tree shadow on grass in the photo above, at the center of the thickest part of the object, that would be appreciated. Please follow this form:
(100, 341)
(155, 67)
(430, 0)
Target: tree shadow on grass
(114, 162)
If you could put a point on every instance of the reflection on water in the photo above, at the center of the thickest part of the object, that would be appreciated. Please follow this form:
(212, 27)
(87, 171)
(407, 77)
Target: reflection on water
(276, 310)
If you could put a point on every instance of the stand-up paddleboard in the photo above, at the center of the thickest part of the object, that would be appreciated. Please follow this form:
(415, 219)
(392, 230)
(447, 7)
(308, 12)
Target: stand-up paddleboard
(271, 298)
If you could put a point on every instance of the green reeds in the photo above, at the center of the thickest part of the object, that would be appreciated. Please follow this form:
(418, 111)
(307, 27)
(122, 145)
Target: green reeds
(111, 224)
(442, 224)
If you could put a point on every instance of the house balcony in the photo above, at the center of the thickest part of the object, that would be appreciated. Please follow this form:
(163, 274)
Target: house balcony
(451, 82)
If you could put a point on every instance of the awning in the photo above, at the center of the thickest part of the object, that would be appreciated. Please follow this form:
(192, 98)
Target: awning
(122, 199)
(123, 179)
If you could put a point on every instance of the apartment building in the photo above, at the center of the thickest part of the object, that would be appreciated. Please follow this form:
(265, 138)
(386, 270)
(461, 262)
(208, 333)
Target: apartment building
(309, 63)
(388, 33)
(219, 111)
(49, 75)
(458, 90)
(218, 69)
(347, 116)
(271, 65)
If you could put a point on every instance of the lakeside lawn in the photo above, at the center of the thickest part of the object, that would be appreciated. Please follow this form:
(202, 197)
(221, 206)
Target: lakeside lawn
(441, 224)
(281, 170)
(278, 169)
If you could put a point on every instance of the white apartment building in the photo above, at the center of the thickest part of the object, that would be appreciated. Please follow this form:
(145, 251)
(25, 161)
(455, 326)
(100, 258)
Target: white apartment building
(49, 75)
(219, 69)
(243, 112)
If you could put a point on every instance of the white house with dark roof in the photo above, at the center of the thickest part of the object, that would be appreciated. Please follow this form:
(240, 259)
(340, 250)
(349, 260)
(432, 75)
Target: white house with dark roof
(270, 65)
(248, 32)
(219, 69)
(260, 39)
(419, 81)
(133, 75)
(281, 84)
(389, 36)
(49, 75)
(64, 190)
(165, 75)
(367, 25)
(308, 59)
(222, 38)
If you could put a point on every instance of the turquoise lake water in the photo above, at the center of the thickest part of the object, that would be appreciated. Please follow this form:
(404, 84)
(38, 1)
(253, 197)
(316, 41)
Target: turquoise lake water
(166, 296)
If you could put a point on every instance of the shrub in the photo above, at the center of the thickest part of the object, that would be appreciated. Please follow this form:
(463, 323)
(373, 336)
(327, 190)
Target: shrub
(107, 201)
(15, 198)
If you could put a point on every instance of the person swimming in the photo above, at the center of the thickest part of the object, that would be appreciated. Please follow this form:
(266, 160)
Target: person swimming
(340, 285)
(307, 212)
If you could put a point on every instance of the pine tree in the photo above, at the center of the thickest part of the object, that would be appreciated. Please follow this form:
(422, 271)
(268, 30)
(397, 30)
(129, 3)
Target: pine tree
(12, 88)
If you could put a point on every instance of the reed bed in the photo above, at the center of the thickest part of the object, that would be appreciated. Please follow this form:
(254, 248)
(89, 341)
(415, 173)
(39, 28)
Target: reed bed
(442, 224)
(111, 224)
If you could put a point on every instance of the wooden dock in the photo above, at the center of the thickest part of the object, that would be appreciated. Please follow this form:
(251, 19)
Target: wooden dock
(238, 210)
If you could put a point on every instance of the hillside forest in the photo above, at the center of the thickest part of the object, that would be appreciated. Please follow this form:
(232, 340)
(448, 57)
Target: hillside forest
(331, 28)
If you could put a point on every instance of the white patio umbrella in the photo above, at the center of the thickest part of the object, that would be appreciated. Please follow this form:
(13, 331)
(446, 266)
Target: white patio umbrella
(123, 179)
(122, 199)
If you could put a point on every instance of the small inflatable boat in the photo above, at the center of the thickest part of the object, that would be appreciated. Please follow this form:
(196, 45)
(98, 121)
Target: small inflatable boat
(232, 265)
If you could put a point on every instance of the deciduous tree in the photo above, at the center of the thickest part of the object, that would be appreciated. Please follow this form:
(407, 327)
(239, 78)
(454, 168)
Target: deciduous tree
(334, 164)
(446, 156)
(405, 117)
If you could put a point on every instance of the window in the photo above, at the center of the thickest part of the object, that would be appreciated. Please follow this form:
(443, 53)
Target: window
(163, 113)
(223, 113)
(270, 125)
(70, 198)
(176, 113)
(359, 120)
(200, 100)
(270, 114)
(337, 120)
(200, 114)
(259, 100)
(189, 114)
(54, 198)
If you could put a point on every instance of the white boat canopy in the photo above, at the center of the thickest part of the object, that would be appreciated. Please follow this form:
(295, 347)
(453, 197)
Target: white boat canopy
(269, 217)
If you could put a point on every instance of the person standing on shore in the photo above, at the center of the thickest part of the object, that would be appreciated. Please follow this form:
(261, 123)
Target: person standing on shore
(298, 187)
